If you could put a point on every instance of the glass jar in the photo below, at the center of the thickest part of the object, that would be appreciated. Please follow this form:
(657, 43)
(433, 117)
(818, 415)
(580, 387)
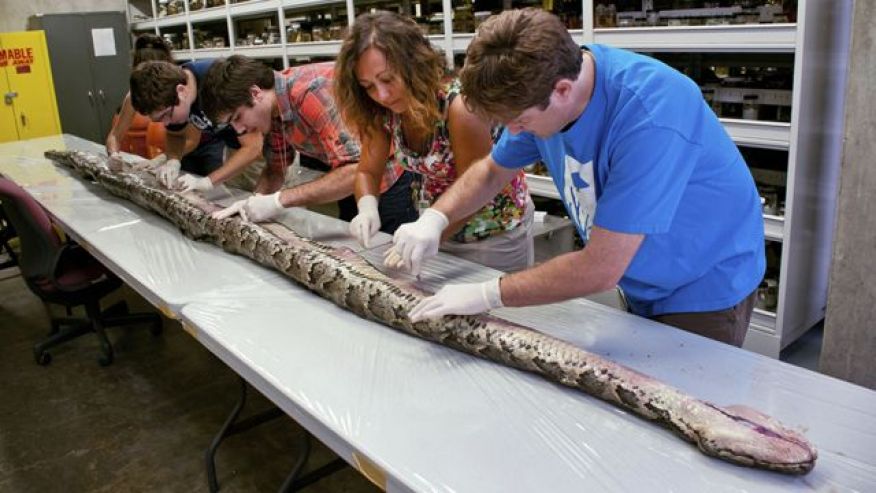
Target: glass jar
(626, 22)
(783, 114)
(768, 294)
(709, 96)
(293, 33)
(770, 200)
(749, 107)
(480, 17)
(604, 15)
(171, 39)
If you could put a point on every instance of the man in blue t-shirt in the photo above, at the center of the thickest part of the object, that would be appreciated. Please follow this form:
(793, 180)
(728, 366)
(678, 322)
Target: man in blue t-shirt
(657, 189)
(169, 94)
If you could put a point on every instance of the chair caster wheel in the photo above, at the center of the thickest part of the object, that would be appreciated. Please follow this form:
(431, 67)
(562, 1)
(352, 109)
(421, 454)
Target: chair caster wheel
(156, 329)
(105, 360)
(42, 358)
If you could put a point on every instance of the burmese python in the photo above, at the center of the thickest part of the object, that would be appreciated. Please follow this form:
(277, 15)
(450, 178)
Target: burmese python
(735, 433)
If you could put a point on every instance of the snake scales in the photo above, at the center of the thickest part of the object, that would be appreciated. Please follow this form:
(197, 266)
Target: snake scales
(735, 433)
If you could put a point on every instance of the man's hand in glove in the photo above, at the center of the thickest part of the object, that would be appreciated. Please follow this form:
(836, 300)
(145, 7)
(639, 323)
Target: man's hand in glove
(416, 241)
(459, 299)
(193, 183)
(257, 208)
(168, 173)
(150, 164)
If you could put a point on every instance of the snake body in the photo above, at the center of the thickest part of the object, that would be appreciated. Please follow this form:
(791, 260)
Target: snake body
(737, 434)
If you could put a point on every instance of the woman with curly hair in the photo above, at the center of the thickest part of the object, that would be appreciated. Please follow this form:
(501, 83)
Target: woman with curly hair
(394, 92)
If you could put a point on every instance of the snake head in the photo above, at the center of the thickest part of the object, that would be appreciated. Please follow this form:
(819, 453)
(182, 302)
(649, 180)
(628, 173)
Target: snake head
(745, 436)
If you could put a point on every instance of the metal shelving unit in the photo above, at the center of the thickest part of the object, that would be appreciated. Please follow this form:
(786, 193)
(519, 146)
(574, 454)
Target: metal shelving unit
(819, 42)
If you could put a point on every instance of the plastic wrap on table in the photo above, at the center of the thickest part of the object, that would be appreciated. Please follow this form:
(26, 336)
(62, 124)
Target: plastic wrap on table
(433, 419)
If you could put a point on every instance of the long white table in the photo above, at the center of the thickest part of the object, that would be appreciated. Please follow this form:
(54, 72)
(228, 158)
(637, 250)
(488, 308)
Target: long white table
(146, 251)
(415, 416)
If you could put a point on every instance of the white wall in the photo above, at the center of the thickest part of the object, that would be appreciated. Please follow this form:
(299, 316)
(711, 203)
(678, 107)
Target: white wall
(14, 13)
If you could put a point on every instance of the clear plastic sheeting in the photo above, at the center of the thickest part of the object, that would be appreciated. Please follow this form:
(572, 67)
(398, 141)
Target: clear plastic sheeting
(429, 418)
(146, 251)
(434, 419)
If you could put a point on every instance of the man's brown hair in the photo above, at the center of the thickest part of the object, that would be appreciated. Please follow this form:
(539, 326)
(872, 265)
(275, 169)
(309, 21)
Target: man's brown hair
(408, 53)
(514, 62)
(149, 47)
(227, 84)
(153, 86)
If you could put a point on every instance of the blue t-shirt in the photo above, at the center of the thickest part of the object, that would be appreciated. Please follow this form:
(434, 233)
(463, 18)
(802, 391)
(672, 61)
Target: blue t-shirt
(197, 117)
(648, 156)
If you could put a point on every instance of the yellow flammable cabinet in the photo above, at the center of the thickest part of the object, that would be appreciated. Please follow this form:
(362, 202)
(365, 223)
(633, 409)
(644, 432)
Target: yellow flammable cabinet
(29, 108)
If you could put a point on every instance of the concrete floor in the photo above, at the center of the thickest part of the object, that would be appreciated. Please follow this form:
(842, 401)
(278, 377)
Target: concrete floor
(141, 424)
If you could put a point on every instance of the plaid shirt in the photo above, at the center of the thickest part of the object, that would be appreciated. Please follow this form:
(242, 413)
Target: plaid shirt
(310, 123)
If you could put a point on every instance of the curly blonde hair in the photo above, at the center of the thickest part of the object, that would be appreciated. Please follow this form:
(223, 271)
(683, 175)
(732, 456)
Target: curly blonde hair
(409, 54)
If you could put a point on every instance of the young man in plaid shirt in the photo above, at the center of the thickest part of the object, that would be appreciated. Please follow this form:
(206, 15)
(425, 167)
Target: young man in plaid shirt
(295, 109)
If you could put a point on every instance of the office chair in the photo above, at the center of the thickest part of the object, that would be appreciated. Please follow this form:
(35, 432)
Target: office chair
(7, 233)
(63, 273)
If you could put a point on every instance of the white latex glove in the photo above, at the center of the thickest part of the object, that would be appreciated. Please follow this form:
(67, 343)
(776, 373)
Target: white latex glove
(257, 208)
(367, 222)
(193, 183)
(168, 173)
(416, 241)
(116, 162)
(459, 299)
(150, 164)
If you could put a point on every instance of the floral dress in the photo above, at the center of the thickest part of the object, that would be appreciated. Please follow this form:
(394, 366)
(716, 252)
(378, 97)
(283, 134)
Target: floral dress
(437, 171)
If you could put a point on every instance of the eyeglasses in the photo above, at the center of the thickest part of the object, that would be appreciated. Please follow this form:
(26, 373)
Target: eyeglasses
(220, 125)
(163, 114)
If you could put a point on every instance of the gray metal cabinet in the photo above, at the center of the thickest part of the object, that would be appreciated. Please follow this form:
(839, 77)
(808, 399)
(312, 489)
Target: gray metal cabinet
(90, 57)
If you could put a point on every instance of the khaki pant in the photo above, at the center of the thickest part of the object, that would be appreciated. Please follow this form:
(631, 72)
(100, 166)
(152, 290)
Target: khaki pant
(728, 325)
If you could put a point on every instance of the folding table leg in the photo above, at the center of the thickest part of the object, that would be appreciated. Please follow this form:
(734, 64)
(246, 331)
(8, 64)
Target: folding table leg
(232, 427)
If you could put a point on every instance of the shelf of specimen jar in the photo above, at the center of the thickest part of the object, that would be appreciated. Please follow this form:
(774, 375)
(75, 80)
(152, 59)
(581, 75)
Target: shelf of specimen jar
(747, 38)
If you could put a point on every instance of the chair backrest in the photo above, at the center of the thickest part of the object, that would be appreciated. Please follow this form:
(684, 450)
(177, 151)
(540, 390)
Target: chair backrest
(134, 140)
(39, 241)
(155, 139)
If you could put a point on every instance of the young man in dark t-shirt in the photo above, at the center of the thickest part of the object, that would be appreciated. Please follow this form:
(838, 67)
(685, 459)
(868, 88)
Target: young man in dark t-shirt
(168, 94)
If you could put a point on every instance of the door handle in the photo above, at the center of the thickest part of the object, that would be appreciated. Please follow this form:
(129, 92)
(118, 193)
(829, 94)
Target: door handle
(91, 97)
(102, 97)
(23, 120)
(7, 98)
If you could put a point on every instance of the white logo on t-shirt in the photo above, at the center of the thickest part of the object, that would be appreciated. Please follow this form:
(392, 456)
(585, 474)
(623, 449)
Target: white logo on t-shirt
(579, 194)
(200, 121)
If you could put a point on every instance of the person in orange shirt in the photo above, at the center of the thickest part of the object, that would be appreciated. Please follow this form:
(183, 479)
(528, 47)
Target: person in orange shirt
(147, 47)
